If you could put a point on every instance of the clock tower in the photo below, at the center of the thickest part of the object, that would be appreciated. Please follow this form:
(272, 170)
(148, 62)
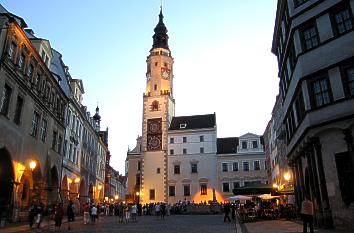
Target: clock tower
(158, 110)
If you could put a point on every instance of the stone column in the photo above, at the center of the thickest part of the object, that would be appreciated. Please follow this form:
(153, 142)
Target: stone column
(327, 216)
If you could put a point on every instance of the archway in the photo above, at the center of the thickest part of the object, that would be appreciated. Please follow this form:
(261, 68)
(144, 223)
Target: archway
(53, 182)
(64, 192)
(6, 183)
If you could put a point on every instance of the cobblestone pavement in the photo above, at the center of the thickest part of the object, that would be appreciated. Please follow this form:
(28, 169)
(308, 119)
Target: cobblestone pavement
(171, 224)
(150, 224)
(280, 226)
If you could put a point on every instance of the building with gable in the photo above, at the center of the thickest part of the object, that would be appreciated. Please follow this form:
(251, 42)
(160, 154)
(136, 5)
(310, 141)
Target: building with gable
(176, 158)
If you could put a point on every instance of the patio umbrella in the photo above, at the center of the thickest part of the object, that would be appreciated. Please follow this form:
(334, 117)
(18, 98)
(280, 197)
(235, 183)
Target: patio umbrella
(267, 196)
(238, 198)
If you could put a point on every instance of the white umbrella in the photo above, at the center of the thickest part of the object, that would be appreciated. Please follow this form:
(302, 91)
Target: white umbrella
(267, 196)
(238, 198)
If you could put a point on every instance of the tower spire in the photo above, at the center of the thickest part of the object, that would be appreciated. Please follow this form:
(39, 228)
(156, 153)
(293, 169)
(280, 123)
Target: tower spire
(160, 38)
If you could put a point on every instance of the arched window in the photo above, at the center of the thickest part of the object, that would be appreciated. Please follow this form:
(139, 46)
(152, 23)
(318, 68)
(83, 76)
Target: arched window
(155, 105)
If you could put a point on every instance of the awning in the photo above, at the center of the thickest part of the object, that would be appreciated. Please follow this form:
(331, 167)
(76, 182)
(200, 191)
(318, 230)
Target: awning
(287, 191)
(253, 189)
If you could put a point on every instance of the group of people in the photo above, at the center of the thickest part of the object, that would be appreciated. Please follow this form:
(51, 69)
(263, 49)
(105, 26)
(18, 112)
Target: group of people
(37, 211)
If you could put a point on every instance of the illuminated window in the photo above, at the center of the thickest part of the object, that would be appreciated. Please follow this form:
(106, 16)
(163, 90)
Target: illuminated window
(203, 189)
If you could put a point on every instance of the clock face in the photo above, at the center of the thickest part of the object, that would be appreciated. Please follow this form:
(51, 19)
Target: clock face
(153, 127)
(165, 73)
(154, 143)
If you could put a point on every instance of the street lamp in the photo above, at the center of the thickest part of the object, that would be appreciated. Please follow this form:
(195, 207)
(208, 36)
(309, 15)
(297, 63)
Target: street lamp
(287, 176)
(32, 165)
(275, 185)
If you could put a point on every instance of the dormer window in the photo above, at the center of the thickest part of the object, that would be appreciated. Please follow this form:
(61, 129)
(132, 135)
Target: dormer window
(182, 126)
(244, 144)
(254, 144)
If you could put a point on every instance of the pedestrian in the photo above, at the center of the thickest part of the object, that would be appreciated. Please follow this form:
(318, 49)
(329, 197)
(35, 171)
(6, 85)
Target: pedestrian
(70, 212)
(163, 210)
(227, 212)
(120, 212)
(157, 209)
(58, 215)
(127, 213)
(93, 214)
(307, 214)
(134, 212)
(39, 211)
(31, 214)
(86, 208)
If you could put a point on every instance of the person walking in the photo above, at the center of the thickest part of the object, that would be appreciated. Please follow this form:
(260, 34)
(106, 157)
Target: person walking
(120, 212)
(307, 214)
(39, 211)
(93, 213)
(157, 210)
(31, 214)
(227, 212)
(70, 212)
(127, 212)
(86, 208)
(58, 215)
(134, 212)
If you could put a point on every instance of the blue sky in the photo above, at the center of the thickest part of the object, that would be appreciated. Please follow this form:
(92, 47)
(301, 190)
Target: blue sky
(221, 49)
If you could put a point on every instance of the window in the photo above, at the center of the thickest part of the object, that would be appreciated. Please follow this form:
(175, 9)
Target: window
(201, 150)
(350, 81)
(194, 168)
(35, 122)
(158, 170)
(54, 140)
(343, 20)
(256, 165)
(18, 110)
(75, 157)
(155, 87)
(60, 142)
(186, 190)
(300, 107)
(156, 63)
(184, 151)
(182, 126)
(299, 2)
(177, 169)
(292, 57)
(255, 144)
(203, 189)
(152, 194)
(201, 138)
(320, 92)
(44, 130)
(225, 187)
(184, 139)
(30, 71)
(246, 166)
(244, 144)
(309, 36)
(21, 61)
(70, 151)
(236, 184)
(290, 124)
(139, 166)
(5, 101)
(11, 51)
(172, 140)
(171, 191)
(235, 166)
(172, 152)
(224, 167)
